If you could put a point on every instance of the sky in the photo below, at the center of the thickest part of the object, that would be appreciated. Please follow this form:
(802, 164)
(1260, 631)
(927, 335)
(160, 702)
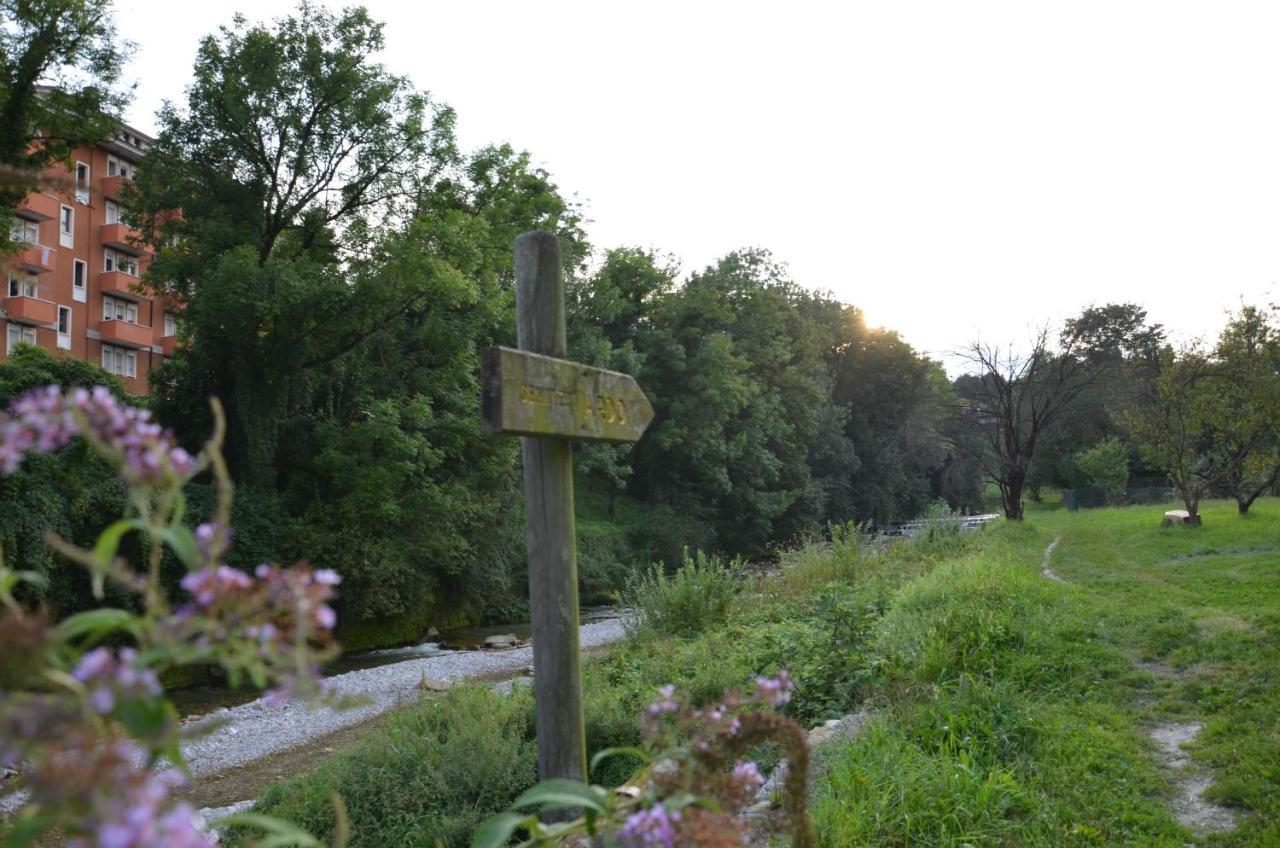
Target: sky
(959, 171)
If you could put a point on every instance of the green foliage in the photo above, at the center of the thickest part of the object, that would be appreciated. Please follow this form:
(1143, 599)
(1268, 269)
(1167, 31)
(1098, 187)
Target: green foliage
(692, 599)
(71, 492)
(432, 772)
(60, 64)
(1105, 466)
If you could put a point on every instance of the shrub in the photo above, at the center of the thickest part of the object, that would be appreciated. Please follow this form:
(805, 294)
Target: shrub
(685, 603)
(429, 776)
(1105, 466)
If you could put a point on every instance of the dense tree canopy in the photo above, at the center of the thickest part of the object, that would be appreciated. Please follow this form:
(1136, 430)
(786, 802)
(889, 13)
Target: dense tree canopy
(60, 67)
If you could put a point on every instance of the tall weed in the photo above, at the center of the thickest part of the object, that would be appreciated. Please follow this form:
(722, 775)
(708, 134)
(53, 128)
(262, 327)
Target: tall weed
(695, 597)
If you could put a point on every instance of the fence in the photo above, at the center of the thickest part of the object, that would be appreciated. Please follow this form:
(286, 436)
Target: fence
(1090, 497)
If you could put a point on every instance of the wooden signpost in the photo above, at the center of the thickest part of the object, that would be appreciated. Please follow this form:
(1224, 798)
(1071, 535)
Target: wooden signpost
(534, 393)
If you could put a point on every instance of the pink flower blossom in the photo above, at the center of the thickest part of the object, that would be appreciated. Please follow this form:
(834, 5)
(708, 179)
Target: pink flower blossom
(654, 826)
(775, 692)
(46, 419)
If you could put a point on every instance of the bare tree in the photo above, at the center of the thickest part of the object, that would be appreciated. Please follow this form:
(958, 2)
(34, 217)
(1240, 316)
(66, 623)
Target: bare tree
(1013, 399)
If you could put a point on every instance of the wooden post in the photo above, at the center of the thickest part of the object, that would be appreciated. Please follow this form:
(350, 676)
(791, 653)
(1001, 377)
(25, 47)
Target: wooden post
(548, 498)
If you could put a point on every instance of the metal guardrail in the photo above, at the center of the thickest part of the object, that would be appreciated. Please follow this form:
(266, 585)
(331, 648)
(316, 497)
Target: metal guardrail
(916, 526)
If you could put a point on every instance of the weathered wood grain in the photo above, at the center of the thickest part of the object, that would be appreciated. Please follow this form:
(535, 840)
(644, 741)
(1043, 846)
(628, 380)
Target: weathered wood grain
(529, 394)
(549, 533)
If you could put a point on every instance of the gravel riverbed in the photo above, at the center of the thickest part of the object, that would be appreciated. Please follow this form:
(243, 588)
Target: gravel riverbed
(257, 729)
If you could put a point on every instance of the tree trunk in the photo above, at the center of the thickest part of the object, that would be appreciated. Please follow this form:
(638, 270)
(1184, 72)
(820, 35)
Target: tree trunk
(1011, 493)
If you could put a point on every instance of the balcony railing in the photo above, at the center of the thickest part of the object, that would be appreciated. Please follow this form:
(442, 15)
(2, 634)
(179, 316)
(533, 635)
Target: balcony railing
(113, 187)
(118, 332)
(35, 258)
(39, 207)
(167, 344)
(30, 310)
(121, 237)
(118, 282)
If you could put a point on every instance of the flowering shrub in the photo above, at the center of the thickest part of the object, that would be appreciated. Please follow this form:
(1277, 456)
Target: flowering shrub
(691, 793)
(83, 719)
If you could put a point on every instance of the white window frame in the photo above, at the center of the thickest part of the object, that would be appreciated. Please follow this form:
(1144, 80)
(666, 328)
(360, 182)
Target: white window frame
(112, 259)
(24, 334)
(24, 231)
(119, 309)
(79, 281)
(120, 361)
(117, 167)
(64, 327)
(82, 190)
(112, 210)
(170, 324)
(67, 226)
(23, 285)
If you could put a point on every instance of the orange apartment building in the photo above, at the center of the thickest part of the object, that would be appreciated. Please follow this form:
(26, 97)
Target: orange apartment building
(70, 288)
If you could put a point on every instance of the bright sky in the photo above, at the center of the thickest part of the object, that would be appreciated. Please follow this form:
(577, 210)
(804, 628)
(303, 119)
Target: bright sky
(955, 169)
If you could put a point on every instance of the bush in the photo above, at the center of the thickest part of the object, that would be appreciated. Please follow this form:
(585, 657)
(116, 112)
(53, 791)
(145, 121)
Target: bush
(1106, 466)
(429, 776)
(685, 603)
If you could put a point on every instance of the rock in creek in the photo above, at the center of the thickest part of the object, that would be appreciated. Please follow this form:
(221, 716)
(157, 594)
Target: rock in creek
(505, 640)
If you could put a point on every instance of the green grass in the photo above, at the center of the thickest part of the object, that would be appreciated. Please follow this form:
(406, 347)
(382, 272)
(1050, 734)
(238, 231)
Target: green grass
(1012, 710)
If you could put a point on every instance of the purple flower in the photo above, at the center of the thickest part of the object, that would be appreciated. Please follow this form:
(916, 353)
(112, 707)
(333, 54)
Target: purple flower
(654, 826)
(112, 677)
(326, 617)
(666, 702)
(327, 577)
(209, 584)
(45, 419)
(747, 775)
(775, 692)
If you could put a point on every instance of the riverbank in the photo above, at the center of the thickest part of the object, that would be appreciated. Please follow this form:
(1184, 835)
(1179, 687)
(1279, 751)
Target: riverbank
(1008, 707)
(233, 736)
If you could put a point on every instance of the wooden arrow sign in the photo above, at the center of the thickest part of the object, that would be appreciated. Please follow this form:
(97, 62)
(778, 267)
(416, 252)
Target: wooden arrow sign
(527, 394)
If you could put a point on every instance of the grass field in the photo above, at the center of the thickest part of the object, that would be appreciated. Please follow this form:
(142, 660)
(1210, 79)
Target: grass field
(1013, 710)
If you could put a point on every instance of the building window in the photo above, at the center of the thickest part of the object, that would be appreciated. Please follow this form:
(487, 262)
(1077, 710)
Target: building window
(67, 227)
(25, 231)
(119, 309)
(119, 361)
(170, 324)
(113, 212)
(121, 168)
(114, 260)
(21, 286)
(19, 334)
(82, 182)
(64, 327)
(79, 274)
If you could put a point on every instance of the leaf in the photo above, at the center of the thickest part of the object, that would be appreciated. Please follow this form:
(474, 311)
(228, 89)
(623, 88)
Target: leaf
(497, 831)
(26, 828)
(608, 753)
(183, 541)
(104, 551)
(562, 794)
(280, 833)
(96, 623)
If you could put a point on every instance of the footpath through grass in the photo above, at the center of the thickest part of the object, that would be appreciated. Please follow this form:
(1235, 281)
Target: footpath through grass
(1011, 710)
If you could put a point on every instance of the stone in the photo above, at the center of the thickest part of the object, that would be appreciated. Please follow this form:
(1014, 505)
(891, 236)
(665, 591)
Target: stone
(1181, 516)
(505, 640)
(430, 684)
(433, 633)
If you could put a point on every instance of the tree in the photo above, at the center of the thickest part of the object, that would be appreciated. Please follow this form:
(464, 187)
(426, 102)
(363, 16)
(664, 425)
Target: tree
(1015, 399)
(60, 63)
(1246, 416)
(294, 151)
(1171, 420)
(1105, 466)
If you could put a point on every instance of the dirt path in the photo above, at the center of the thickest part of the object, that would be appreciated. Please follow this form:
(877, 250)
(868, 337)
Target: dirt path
(1189, 806)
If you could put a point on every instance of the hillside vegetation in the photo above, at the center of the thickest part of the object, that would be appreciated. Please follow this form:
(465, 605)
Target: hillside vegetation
(1011, 709)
